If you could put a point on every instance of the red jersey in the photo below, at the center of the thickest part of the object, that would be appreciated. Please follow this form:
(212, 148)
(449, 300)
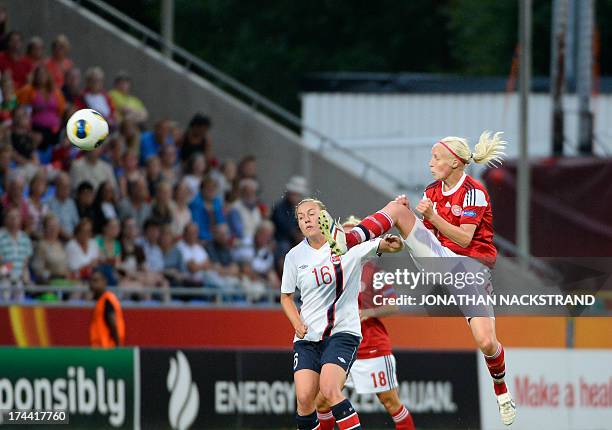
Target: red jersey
(466, 203)
(376, 341)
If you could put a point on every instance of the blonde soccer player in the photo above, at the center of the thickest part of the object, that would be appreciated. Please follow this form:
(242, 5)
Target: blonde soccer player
(327, 327)
(457, 222)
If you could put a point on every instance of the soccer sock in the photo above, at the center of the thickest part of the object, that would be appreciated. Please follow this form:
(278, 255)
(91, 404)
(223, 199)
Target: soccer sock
(497, 369)
(326, 419)
(345, 415)
(307, 422)
(372, 226)
(403, 419)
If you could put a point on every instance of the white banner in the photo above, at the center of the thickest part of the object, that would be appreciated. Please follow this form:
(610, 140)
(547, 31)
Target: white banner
(553, 389)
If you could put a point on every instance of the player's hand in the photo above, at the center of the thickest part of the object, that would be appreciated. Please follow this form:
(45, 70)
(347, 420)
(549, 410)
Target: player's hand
(392, 243)
(425, 207)
(300, 330)
(402, 200)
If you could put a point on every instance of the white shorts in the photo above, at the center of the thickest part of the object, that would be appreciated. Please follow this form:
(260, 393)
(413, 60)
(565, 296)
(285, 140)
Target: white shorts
(373, 375)
(422, 244)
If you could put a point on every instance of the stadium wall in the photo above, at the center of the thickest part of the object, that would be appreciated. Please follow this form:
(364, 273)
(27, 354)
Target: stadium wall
(226, 328)
(170, 91)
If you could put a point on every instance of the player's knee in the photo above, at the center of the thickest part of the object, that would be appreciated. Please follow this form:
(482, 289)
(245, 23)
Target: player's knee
(305, 402)
(321, 402)
(330, 393)
(487, 343)
(390, 401)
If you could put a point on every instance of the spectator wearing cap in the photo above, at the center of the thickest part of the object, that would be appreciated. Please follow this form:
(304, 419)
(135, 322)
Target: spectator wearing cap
(207, 208)
(95, 97)
(127, 105)
(14, 61)
(15, 247)
(35, 52)
(196, 138)
(59, 62)
(244, 215)
(156, 141)
(63, 206)
(283, 215)
(93, 169)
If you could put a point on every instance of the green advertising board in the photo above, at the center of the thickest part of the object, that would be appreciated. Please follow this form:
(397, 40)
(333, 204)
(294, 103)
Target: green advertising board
(95, 387)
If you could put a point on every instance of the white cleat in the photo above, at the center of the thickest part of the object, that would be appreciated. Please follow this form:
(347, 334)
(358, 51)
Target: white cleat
(507, 408)
(333, 232)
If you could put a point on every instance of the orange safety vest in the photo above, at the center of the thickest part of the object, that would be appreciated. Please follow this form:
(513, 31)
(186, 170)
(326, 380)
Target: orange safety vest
(99, 333)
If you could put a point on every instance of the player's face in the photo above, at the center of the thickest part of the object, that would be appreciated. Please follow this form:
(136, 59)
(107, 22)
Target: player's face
(308, 217)
(439, 163)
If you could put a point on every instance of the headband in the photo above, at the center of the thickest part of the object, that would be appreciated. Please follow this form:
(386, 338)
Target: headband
(453, 152)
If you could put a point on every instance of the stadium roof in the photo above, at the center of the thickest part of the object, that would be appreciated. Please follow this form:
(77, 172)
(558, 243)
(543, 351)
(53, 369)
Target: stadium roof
(363, 82)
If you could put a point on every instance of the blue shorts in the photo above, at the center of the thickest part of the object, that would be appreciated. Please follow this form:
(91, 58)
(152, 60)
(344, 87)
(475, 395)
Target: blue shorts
(340, 349)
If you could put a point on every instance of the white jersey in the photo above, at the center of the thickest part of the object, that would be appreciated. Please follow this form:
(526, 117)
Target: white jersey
(329, 286)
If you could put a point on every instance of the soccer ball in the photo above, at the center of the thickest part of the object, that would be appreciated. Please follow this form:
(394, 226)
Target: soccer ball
(86, 129)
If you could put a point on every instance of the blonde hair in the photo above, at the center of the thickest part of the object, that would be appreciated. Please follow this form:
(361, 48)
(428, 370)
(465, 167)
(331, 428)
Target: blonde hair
(351, 220)
(489, 149)
(309, 200)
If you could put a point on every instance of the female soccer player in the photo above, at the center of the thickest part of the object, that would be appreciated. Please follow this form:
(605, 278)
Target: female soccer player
(327, 329)
(374, 369)
(458, 221)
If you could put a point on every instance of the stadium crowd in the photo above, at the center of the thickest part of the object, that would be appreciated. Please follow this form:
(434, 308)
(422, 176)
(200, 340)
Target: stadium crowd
(150, 207)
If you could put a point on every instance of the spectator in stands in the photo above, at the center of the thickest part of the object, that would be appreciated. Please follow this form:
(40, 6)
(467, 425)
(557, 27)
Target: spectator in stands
(24, 140)
(127, 105)
(263, 262)
(15, 247)
(6, 159)
(153, 173)
(196, 139)
(47, 104)
(14, 199)
(287, 231)
(82, 251)
(194, 173)
(170, 170)
(174, 266)
(36, 207)
(95, 97)
(132, 256)
(228, 180)
(64, 207)
(163, 208)
(136, 204)
(35, 52)
(194, 255)
(107, 327)
(84, 200)
(50, 261)
(244, 216)
(182, 214)
(59, 63)
(247, 168)
(72, 91)
(109, 250)
(129, 171)
(154, 142)
(154, 259)
(207, 208)
(9, 98)
(13, 59)
(104, 206)
(92, 169)
(219, 250)
(130, 131)
(115, 148)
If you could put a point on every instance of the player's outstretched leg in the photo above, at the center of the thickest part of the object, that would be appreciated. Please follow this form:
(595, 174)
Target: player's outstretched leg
(400, 415)
(372, 226)
(483, 330)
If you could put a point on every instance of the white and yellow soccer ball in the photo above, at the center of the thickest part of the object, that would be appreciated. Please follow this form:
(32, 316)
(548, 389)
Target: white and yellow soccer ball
(86, 129)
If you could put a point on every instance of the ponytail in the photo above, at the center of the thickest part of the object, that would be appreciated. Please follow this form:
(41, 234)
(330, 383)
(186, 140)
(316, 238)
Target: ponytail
(489, 149)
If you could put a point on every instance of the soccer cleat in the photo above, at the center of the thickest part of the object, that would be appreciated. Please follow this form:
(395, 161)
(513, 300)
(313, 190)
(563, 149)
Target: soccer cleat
(507, 408)
(333, 232)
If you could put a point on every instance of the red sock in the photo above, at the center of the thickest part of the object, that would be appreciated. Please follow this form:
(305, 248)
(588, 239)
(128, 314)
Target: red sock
(326, 419)
(403, 419)
(345, 415)
(371, 227)
(497, 369)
